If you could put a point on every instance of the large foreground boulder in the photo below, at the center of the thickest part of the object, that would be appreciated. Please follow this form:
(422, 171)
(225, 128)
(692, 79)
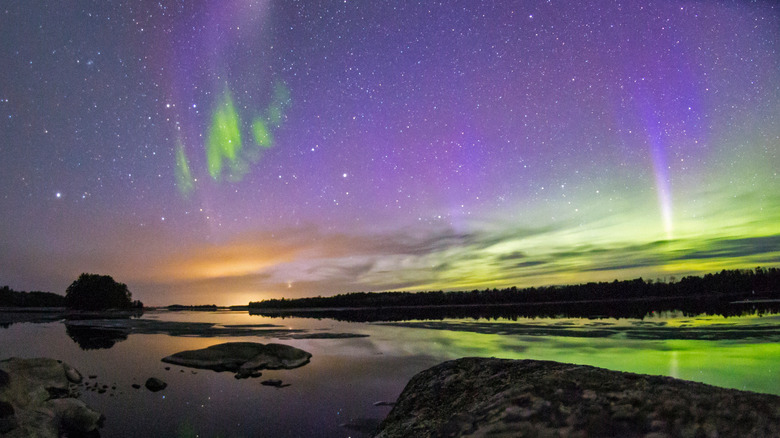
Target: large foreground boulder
(480, 397)
(243, 358)
(38, 399)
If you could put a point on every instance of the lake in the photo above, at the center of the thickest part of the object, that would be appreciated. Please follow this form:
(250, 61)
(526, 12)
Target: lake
(354, 365)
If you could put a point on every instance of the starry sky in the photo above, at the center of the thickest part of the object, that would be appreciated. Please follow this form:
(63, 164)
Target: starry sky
(221, 152)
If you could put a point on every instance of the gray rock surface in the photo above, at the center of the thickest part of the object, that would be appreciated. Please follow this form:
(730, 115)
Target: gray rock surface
(243, 358)
(479, 397)
(38, 399)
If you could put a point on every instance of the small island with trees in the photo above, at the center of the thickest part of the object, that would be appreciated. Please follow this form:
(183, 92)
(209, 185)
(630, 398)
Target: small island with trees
(99, 292)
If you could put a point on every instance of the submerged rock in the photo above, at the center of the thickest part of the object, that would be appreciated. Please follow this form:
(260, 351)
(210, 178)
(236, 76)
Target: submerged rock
(154, 384)
(499, 397)
(73, 375)
(242, 358)
(245, 374)
(38, 398)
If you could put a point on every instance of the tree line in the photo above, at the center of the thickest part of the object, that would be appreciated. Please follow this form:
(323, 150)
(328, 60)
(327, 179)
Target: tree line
(726, 285)
(88, 292)
(12, 298)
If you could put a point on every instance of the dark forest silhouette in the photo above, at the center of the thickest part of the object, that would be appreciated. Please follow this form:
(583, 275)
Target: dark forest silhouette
(12, 298)
(88, 292)
(200, 308)
(712, 293)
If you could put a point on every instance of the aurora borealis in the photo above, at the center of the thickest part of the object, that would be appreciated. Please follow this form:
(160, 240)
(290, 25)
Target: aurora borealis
(221, 152)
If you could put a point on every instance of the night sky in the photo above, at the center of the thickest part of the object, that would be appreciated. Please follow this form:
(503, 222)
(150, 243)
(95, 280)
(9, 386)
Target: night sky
(226, 151)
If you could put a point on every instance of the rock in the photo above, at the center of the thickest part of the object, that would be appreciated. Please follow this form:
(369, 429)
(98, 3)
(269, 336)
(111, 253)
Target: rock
(154, 384)
(7, 417)
(39, 399)
(75, 415)
(245, 374)
(241, 357)
(272, 382)
(136, 386)
(384, 403)
(72, 374)
(498, 397)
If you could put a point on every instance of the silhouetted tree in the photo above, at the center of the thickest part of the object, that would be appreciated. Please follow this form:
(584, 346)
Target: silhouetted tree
(94, 292)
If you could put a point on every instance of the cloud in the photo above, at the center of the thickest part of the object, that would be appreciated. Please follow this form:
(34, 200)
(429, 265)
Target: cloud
(307, 261)
(514, 255)
(734, 248)
(234, 259)
(530, 264)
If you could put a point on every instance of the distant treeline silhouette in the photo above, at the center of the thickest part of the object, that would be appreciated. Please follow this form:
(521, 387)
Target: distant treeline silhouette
(88, 292)
(12, 298)
(633, 309)
(724, 286)
(202, 307)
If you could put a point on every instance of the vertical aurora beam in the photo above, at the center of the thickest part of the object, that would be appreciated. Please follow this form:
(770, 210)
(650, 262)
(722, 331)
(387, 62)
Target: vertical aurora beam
(662, 185)
(262, 136)
(652, 118)
(281, 102)
(184, 180)
(224, 139)
(226, 154)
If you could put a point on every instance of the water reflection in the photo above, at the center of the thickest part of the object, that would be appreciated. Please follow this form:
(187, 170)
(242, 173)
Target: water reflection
(80, 327)
(348, 375)
(628, 309)
(661, 330)
(741, 362)
(91, 338)
(10, 316)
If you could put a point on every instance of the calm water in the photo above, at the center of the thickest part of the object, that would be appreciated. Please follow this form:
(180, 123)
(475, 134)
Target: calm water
(347, 376)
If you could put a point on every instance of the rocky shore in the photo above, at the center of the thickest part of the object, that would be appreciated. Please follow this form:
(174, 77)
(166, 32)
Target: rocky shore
(479, 397)
(38, 398)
